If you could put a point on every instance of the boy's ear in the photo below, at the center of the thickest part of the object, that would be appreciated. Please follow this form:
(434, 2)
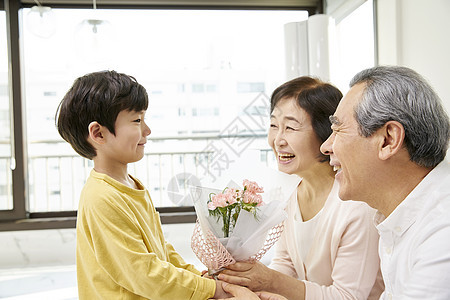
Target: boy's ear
(393, 136)
(96, 132)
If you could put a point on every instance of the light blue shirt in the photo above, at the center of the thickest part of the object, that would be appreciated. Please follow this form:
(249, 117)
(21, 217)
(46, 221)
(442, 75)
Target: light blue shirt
(415, 241)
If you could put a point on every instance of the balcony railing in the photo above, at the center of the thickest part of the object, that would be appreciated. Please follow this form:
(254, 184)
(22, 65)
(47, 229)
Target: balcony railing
(55, 180)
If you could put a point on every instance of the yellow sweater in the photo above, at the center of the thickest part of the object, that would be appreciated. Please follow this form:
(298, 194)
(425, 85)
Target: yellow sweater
(121, 250)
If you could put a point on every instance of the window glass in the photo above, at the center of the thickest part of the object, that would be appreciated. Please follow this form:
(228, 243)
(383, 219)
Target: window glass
(355, 45)
(207, 74)
(6, 202)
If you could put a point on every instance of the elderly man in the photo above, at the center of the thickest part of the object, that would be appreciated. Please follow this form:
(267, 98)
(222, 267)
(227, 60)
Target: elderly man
(388, 146)
(389, 141)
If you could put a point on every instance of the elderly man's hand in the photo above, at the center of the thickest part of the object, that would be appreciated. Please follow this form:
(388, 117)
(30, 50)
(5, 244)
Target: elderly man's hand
(238, 292)
(242, 293)
(254, 275)
(269, 296)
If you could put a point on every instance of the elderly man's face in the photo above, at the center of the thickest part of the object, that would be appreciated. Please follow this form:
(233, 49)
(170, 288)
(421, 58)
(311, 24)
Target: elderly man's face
(351, 154)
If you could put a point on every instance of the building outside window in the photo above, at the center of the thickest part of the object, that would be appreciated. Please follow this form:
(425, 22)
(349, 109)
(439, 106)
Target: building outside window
(201, 68)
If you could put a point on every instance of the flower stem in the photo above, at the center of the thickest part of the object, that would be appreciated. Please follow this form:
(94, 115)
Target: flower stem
(226, 224)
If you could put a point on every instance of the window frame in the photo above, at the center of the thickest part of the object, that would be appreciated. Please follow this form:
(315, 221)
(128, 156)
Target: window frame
(19, 218)
(19, 210)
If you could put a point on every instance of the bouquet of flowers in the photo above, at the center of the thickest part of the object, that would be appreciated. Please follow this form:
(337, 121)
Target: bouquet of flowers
(240, 223)
(228, 204)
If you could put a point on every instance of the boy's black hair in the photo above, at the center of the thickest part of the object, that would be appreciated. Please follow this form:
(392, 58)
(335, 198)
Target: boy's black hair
(98, 96)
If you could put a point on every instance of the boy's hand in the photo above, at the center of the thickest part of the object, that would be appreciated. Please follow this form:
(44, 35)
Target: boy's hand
(206, 275)
(220, 293)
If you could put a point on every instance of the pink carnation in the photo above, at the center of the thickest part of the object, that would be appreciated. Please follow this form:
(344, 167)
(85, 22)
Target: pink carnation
(252, 186)
(252, 198)
(211, 206)
(222, 200)
(232, 192)
(219, 200)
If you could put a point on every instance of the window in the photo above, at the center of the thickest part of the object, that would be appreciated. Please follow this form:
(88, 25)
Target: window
(354, 54)
(6, 200)
(250, 87)
(200, 69)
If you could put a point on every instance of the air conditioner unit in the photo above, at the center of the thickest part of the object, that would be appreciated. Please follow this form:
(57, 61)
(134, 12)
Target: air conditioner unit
(309, 46)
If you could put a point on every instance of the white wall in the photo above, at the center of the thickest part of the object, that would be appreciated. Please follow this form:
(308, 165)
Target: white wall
(415, 33)
(22, 249)
(37, 248)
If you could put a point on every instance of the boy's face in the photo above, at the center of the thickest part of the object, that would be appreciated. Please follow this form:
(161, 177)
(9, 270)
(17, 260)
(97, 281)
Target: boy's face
(127, 146)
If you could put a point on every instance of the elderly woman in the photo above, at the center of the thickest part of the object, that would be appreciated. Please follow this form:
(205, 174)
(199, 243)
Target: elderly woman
(329, 248)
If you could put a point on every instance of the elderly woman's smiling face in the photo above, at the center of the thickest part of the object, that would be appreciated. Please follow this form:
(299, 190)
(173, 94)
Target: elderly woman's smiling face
(292, 138)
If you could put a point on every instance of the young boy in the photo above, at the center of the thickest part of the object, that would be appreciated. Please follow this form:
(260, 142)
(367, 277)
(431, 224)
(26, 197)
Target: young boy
(121, 250)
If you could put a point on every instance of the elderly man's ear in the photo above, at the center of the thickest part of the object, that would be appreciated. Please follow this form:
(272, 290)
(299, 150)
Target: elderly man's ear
(392, 136)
